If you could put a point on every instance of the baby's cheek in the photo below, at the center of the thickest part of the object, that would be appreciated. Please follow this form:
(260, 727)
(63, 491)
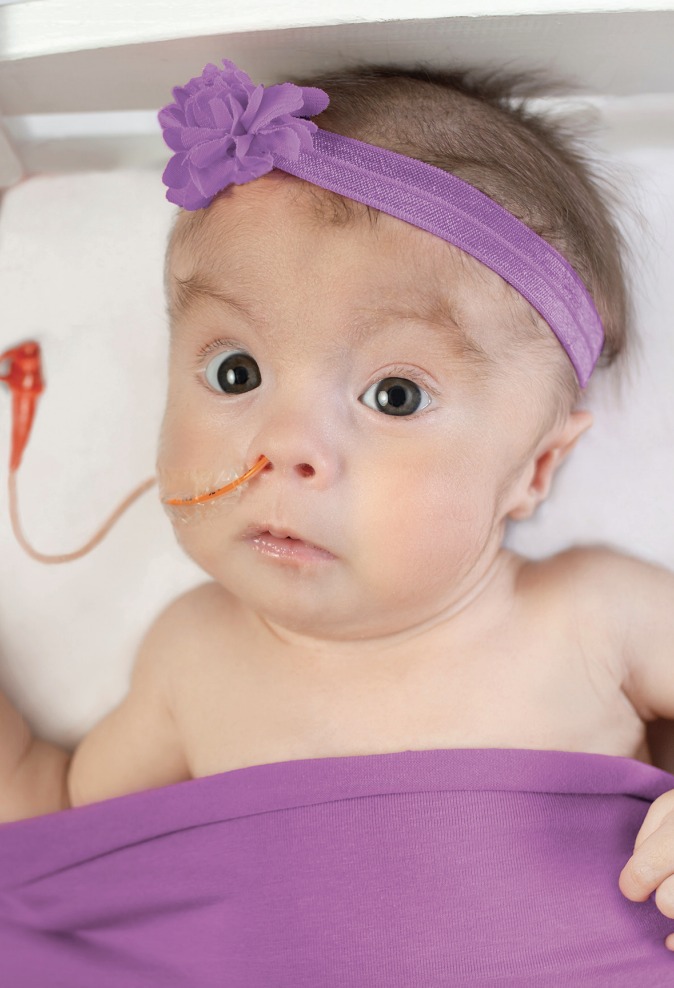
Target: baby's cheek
(173, 449)
(187, 467)
(192, 458)
(201, 532)
(449, 517)
(185, 438)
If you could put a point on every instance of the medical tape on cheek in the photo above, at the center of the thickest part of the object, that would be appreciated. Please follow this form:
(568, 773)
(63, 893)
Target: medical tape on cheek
(211, 492)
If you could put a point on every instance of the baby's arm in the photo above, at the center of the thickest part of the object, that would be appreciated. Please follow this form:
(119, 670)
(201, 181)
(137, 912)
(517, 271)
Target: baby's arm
(639, 598)
(136, 746)
(32, 772)
(627, 606)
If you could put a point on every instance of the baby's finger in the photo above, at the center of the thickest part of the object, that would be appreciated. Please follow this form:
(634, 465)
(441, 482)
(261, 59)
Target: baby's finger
(659, 809)
(651, 864)
(664, 898)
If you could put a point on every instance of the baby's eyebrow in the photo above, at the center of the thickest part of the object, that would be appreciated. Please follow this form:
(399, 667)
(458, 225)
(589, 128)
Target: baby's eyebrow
(189, 292)
(438, 313)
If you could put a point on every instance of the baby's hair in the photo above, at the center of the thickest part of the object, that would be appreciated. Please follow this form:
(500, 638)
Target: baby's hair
(476, 124)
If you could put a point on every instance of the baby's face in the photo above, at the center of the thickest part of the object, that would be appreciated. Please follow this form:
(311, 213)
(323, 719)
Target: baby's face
(394, 441)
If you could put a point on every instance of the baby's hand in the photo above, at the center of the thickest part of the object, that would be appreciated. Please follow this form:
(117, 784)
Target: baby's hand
(652, 863)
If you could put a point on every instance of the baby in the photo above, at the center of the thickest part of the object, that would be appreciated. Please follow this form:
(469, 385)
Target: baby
(410, 402)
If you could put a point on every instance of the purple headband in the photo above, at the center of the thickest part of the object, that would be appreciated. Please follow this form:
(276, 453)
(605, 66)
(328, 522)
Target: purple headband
(226, 130)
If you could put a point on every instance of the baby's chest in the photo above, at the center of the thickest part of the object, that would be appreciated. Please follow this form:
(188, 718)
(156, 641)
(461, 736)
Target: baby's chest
(520, 695)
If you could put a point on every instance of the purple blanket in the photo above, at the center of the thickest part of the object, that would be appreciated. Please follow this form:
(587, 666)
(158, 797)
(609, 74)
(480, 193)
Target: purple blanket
(418, 868)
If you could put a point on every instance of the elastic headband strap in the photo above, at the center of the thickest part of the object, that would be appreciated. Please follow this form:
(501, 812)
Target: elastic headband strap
(225, 129)
(456, 211)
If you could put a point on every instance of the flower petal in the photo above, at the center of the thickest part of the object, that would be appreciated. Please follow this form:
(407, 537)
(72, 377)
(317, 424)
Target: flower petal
(171, 116)
(315, 101)
(221, 112)
(195, 136)
(209, 152)
(255, 168)
(283, 141)
(253, 106)
(198, 112)
(304, 130)
(236, 109)
(243, 143)
(216, 180)
(181, 94)
(173, 136)
(188, 198)
(276, 101)
(236, 76)
(177, 172)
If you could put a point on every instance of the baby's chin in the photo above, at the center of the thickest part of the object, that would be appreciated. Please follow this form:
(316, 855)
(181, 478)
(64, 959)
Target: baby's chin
(335, 605)
(310, 604)
(324, 608)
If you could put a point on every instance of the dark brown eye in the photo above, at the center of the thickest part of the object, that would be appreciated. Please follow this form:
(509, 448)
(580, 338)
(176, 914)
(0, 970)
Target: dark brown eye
(233, 373)
(395, 396)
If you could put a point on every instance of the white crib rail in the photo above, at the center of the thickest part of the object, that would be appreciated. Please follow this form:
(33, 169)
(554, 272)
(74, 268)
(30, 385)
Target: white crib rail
(69, 68)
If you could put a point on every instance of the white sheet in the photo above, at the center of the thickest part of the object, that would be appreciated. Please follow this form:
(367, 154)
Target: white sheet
(81, 271)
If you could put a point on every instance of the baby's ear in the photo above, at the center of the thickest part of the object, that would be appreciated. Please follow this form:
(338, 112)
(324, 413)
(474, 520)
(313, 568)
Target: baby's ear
(536, 478)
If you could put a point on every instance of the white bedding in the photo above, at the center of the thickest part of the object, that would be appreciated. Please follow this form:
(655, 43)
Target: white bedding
(81, 271)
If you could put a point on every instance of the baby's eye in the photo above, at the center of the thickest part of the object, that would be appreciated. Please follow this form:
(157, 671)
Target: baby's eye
(396, 396)
(234, 373)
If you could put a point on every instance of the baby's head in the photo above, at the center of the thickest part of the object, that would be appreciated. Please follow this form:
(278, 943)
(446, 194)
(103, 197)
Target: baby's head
(409, 400)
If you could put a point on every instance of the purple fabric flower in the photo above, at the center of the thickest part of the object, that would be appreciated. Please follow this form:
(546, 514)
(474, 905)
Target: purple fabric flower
(225, 130)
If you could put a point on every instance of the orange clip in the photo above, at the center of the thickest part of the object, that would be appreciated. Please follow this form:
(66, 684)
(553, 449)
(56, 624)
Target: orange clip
(25, 382)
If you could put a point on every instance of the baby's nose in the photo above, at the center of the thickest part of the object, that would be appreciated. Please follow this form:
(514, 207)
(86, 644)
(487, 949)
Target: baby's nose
(301, 469)
(303, 437)
(284, 472)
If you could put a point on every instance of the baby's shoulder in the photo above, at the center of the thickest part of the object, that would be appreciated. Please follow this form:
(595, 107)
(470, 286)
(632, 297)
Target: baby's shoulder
(619, 606)
(598, 590)
(594, 575)
(574, 593)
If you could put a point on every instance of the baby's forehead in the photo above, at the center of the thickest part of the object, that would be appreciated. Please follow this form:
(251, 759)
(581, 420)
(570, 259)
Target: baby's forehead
(251, 233)
(268, 218)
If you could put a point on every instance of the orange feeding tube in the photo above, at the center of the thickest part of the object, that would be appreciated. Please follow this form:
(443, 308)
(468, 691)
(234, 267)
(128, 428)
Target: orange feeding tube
(203, 498)
(26, 384)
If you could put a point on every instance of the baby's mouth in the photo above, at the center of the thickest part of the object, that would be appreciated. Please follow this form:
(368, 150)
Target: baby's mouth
(285, 542)
(281, 533)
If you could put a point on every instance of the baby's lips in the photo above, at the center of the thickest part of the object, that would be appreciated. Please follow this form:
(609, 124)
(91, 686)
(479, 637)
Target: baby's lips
(283, 533)
(279, 532)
